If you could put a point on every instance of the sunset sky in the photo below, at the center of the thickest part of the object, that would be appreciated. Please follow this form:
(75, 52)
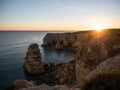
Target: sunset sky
(59, 14)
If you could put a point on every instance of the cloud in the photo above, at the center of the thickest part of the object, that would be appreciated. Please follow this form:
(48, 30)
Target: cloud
(70, 7)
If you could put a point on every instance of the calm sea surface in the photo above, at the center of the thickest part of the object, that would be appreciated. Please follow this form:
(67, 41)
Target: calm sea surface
(13, 47)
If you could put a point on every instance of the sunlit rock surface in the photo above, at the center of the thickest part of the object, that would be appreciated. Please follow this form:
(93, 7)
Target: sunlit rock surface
(94, 50)
(33, 62)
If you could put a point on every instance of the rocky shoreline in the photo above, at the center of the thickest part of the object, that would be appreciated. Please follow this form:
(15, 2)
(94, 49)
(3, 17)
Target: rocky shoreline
(93, 50)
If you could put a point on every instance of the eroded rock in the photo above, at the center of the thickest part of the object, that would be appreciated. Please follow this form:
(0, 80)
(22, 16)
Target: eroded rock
(21, 83)
(32, 61)
(92, 50)
(109, 65)
(105, 76)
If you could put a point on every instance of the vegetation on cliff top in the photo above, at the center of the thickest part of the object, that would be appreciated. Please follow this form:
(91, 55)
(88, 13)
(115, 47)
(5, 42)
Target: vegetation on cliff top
(103, 81)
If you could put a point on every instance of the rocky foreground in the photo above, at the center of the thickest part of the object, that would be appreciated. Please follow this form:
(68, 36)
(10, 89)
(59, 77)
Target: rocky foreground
(97, 55)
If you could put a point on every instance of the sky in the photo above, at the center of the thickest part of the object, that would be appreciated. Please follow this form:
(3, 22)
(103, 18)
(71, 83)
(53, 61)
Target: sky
(59, 14)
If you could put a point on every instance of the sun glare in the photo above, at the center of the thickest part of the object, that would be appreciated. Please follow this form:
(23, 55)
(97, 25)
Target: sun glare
(98, 27)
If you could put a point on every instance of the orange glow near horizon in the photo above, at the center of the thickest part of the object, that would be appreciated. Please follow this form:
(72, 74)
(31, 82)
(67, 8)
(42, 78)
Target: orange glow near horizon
(42, 28)
(98, 27)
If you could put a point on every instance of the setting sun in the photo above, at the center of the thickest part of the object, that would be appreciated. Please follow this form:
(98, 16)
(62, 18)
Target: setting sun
(98, 27)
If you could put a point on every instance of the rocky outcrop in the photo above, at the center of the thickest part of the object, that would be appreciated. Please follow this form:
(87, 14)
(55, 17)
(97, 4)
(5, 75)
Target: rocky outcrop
(62, 73)
(59, 40)
(93, 50)
(65, 73)
(21, 83)
(76, 40)
(33, 62)
(30, 85)
(110, 65)
(105, 72)
(105, 76)
(89, 57)
(46, 87)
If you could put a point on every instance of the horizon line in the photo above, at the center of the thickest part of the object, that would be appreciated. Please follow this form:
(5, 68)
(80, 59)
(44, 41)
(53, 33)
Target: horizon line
(57, 30)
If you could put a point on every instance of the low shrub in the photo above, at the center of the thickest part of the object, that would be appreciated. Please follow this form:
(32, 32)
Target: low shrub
(103, 81)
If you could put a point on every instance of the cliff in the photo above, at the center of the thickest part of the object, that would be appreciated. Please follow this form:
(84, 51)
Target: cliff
(94, 49)
(105, 77)
(91, 48)
(95, 53)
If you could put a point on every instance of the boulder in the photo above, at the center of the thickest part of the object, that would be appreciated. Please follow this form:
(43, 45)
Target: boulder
(32, 61)
(19, 84)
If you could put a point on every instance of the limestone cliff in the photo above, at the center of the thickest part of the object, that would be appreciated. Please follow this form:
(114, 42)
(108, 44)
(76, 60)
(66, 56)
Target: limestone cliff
(59, 40)
(91, 48)
(109, 65)
(105, 77)
(32, 61)
(92, 52)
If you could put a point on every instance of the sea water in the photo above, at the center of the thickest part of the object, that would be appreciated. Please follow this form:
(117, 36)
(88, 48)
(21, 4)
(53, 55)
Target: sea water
(13, 48)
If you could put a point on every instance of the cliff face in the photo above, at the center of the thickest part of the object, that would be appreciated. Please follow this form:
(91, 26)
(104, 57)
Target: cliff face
(105, 77)
(65, 73)
(59, 40)
(94, 50)
(91, 48)
(94, 55)
(109, 65)
(33, 62)
(107, 72)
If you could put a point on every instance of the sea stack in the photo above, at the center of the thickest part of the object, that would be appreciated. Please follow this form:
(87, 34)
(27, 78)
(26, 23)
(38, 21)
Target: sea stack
(32, 61)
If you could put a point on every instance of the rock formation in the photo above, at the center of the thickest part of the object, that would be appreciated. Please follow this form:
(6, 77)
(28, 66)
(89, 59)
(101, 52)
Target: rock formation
(46, 87)
(105, 76)
(106, 69)
(33, 62)
(59, 40)
(91, 48)
(65, 73)
(62, 73)
(30, 85)
(94, 50)
(21, 83)
(109, 65)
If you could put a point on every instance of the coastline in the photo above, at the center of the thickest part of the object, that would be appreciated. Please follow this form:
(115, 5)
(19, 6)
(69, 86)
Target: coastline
(88, 47)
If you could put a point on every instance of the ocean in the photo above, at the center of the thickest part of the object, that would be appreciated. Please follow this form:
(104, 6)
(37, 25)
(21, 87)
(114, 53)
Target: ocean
(13, 48)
